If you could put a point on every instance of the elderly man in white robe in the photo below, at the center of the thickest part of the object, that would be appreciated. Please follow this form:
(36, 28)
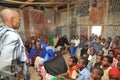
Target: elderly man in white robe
(12, 50)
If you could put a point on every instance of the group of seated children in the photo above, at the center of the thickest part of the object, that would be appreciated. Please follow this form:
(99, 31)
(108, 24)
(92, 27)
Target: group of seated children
(101, 63)
(102, 70)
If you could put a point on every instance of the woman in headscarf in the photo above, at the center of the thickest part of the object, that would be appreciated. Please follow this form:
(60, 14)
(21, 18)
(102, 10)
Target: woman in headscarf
(49, 54)
(52, 64)
(33, 49)
(114, 74)
(46, 54)
(43, 51)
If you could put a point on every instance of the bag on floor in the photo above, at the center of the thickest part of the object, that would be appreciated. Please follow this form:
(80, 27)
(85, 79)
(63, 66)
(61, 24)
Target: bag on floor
(56, 66)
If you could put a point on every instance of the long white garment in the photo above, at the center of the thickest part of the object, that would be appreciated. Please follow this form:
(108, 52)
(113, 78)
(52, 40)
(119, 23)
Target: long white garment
(11, 47)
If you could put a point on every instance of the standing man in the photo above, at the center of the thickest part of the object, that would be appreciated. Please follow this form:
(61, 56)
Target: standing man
(12, 50)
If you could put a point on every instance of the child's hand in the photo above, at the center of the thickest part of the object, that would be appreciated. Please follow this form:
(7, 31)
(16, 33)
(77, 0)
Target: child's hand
(58, 76)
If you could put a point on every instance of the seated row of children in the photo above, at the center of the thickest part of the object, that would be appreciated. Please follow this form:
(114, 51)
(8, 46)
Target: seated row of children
(85, 68)
(78, 70)
(88, 67)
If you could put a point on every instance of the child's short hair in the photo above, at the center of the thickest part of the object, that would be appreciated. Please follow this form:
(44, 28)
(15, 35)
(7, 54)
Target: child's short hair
(108, 43)
(100, 56)
(85, 61)
(115, 43)
(110, 59)
(99, 38)
(75, 59)
(111, 51)
(86, 55)
(102, 51)
(101, 73)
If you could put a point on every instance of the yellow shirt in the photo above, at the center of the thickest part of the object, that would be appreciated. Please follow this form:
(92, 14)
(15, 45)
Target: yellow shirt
(105, 76)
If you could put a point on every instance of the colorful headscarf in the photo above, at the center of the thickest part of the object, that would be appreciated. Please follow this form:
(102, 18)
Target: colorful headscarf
(115, 72)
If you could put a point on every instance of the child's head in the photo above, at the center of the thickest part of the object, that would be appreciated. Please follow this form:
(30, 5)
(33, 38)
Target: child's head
(82, 63)
(117, 38)
(111, 53)
(118, 55)
(92, 51)
(72, 61)
(98, 40)
(99, 58)
(101, 52)
(107, 44)
(76, 37)
(85, 47)
(114, 74)
(115, 45)
(109, 39)
(107, 61)
(118, 65)
(96, 73)
(33, 41)
(85, 55)
(103, 40)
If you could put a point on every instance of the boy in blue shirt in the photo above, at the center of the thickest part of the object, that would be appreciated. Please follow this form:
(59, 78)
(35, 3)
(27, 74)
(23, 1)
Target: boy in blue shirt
(84, 74)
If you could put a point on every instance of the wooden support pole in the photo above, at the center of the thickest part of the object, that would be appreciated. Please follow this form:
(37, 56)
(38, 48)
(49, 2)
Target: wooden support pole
(105, 18)
(26, 24)
(68, 21)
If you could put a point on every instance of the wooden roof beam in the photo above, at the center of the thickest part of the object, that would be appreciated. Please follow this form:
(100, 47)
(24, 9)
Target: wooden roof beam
(51, 0)
(75, 1)
(70, 2)
(37, 3)
(23, 5)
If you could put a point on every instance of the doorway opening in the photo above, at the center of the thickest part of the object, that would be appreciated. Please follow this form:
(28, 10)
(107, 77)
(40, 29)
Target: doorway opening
(96, 30)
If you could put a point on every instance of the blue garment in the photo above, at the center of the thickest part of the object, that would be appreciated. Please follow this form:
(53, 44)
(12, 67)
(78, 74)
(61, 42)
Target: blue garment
(97, 47)
(33, 51)
(43, 46)
(88, 67)
(49, 54)
(73, 50)
(43, 51)
(84, 74)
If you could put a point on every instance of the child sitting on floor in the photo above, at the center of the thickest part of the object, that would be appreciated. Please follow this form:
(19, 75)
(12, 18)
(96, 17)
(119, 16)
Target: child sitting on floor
(98, 62)
(96, 73)
(106, 66)
(84, 74)
(72, 70)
